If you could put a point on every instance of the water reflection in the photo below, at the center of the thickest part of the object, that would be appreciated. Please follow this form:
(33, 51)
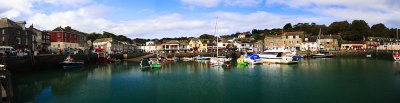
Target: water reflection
(195, 79)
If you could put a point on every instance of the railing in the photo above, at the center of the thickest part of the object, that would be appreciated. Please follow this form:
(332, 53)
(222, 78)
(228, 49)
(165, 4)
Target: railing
(5, 83)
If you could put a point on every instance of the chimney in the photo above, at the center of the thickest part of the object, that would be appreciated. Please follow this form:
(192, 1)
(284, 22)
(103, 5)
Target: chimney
(68, 28)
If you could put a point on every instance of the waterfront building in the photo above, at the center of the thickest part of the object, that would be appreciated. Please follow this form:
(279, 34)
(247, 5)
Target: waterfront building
(258, 47)
(198, 45)
(243, 46)
(385, 43)
(244, 35)
(15, 34)
(292, 40)
(184, 46)
(41, 39)
(171, 46)
(309, 44)
(353, 45)
(67, 38)
(329, 42)
(150, 47)
(273, 42)
(109, 45)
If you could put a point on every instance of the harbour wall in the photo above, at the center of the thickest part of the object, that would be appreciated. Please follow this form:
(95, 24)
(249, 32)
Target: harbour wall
(45, 62)
(374, 54)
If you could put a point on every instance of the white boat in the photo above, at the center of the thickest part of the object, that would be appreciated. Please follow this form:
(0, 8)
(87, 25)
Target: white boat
(199, 57)
(187, 59)
(218, 60)
(277, 57)
(396, 56)
(369, 56)
(322, 55)
(253, 59)
(69, 62)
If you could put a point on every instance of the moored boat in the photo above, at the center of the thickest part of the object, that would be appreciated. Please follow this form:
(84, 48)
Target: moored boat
(253, 59)
(277, 57)
(187, 59)
(396, 56)
(240, 61)
(322, 55)
(69, 62)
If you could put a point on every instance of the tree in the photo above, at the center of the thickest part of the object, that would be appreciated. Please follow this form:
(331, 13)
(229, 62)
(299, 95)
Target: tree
(358, 30)
(288, 27)
(380, 30)
(207, 36)
(339, 27)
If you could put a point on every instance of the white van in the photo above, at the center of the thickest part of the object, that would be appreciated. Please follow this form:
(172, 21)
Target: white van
(3, 49)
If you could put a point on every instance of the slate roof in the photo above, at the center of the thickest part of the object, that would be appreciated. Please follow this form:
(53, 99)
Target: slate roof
(5, 23)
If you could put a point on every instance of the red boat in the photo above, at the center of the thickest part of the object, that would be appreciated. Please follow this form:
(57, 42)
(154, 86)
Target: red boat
(396, 56)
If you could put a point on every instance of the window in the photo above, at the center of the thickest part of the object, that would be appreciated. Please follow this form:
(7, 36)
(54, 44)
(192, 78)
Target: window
(26, 41)
(58, 37)
(3, 31)
(18, 40)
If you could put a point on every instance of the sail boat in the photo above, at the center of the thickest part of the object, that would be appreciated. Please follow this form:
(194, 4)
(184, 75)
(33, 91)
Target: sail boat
(321, 54)
(217, 61)
(396, 55)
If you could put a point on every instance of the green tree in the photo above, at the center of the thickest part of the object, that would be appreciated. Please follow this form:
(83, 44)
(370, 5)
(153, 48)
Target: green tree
(207, 36)
(358, 30)
(339, 27)
(380, 30)
(288, 27)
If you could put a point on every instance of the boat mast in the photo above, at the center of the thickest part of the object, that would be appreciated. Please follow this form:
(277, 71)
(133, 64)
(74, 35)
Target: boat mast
(319, 40)
(215, 33)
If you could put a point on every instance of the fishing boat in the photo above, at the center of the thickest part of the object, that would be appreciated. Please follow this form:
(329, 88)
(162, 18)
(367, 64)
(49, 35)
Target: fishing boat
(70, 62)
(368, 56)
(150, 63)
(253, 59)
(199, 57)
(154, 63)
(322, 54)
(218, 60)
(240, 61)
(187, 59)
(277, 57)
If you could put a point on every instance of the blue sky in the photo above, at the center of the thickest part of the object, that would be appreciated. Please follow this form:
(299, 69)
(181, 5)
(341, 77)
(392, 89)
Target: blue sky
(176, 18)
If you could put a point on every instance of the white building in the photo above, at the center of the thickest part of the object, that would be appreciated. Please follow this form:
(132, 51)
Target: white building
(109, 45)
(309, 44)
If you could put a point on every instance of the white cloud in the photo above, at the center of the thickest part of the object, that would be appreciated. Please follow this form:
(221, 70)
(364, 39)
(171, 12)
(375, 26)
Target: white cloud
(14, 8)
(373, 11)
(214, 3)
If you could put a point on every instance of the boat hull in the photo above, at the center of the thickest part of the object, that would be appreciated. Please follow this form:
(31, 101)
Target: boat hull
(322, 56)
(72, 64)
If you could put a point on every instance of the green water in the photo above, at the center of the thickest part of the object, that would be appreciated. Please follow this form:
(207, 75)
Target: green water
(338, 80)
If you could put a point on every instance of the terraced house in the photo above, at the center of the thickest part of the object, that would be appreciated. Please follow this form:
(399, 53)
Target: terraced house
(15, 34)
(63, 38)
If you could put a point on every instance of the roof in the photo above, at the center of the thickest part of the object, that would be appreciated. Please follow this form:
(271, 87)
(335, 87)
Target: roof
(311, 39)
(294, 33)
(5, 22)
(172, 42)
(330, 37)
(103, 40)
(353, 42)
(59, 29)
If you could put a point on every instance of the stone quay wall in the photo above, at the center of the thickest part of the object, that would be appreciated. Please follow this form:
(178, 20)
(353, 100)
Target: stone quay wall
(45, 62)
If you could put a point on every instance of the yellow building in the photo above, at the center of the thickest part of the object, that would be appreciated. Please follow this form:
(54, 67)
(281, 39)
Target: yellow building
(64, 45)
(198, 45)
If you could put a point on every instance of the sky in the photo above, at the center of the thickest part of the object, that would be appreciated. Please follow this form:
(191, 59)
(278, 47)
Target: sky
(188, 18)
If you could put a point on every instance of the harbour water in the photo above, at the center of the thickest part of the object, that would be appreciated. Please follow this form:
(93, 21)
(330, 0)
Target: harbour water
(336, 80)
